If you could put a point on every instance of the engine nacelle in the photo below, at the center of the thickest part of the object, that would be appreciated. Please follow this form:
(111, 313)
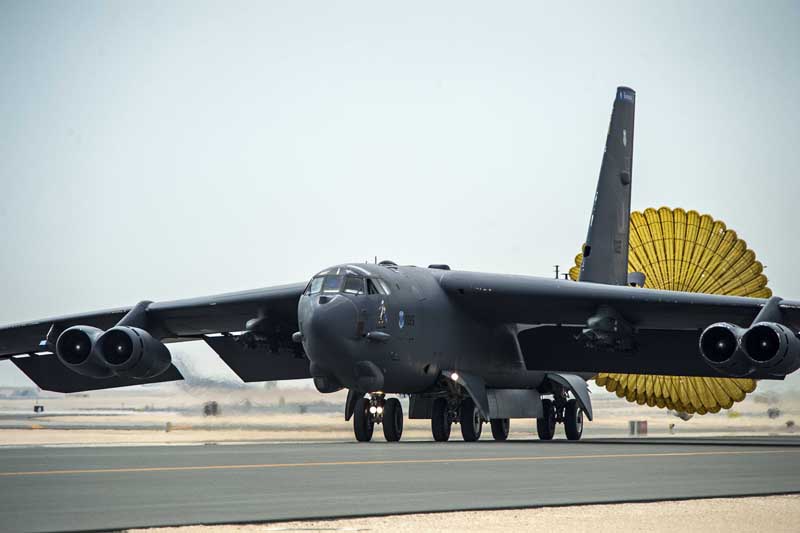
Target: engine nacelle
(772, 347)
(132, 352)
(75, 349)
(719, 346)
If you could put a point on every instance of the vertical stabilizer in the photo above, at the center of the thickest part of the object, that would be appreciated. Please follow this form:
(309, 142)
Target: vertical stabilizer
(605, 254)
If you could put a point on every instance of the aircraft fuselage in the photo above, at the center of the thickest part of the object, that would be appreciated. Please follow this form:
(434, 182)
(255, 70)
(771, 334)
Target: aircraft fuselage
(384, 327)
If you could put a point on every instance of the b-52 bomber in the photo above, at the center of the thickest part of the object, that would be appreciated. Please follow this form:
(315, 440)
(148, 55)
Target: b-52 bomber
(465, 347)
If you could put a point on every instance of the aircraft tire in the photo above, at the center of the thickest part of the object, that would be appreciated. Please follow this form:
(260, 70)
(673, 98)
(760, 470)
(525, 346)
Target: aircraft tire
(363, 425)
(471, 421)
(500, 427)
(392, 420)
(573, 420)
(440, 421)
(546, 424)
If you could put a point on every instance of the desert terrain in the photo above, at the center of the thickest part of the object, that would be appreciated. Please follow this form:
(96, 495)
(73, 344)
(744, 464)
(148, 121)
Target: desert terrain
(174, 413)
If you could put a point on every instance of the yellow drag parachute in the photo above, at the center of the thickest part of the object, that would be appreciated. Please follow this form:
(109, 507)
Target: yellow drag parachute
(681, 250)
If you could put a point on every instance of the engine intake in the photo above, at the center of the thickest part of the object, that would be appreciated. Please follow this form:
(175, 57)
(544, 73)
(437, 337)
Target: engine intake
(133, 352)
(772, 347)
(719, 346)
(75, 349)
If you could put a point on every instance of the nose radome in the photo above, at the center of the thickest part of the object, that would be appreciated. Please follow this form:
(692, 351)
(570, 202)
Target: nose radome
(329, 328)
(332, 317)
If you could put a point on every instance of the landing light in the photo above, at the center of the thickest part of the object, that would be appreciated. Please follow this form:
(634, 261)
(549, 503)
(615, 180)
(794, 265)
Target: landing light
(380, 409)
(373, 409)
(454, 376)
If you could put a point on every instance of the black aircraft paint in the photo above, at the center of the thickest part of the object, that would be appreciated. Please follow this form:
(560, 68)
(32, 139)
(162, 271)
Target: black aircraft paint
(465, 347)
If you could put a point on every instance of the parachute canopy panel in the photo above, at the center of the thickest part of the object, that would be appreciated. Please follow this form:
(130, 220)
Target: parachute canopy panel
(685, 251)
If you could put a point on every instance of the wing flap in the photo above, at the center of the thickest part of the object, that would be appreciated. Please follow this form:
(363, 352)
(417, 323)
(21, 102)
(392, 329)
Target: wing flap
(49, 374)
(259, 364)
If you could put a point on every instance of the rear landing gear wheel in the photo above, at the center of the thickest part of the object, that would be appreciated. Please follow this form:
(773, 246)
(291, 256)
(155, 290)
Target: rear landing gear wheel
(471, 421)
(546, 424)
(573, 420)
(500, 427)
(440, 420)
(363, 424)
(392, 420)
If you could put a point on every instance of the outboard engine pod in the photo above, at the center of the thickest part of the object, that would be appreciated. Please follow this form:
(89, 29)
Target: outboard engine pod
(719, 346)
(133, 352)
(772, 347)
(75, 350)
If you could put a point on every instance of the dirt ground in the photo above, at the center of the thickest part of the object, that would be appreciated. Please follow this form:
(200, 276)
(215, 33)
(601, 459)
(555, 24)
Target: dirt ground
(173, 414)
(773, 513)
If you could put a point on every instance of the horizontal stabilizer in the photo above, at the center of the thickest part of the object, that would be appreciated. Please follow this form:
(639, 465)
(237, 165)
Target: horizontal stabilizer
(259, 364)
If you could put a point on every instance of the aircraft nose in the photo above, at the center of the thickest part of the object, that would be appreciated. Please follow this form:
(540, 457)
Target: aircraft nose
(329, 324)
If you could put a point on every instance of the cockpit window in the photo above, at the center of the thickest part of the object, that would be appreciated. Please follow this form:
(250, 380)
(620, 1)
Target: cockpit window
(315, 286)
(332, 283)
(353, 285)
(372, 288)
(384, 286)
(377, 286)
(345, 281)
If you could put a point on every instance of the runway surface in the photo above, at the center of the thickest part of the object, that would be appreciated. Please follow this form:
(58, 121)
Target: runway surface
(61, 489)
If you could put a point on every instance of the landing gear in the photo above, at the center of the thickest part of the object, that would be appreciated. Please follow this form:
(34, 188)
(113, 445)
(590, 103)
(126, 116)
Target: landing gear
(560, 410)
(573, 420)
(378, 410)
(441, 421)
(546, 424)
(459, 408)
(363, 421)
(471, 420)
(500, 427)
(392, 420)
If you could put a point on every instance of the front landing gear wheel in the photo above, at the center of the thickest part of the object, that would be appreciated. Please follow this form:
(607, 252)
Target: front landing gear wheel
(471, 421)
(546, 424)
(363, 424)
(392, 420)
(500, 427)
(440, 420)
(573, 420)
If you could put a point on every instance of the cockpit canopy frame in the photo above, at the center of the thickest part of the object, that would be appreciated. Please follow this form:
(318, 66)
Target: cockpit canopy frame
(345, 280)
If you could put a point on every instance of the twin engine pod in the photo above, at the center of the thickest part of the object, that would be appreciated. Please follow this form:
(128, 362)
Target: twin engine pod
(121, 351)
(768, 347)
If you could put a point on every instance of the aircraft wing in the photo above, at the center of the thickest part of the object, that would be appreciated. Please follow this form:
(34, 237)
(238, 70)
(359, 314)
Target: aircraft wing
(665, 325)
(211, 318)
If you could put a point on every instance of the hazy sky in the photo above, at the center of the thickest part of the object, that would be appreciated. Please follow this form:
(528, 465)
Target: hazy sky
(166, 149)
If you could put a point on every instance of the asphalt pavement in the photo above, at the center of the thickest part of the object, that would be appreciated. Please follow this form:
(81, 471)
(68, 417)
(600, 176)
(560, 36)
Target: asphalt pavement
(117, 487)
